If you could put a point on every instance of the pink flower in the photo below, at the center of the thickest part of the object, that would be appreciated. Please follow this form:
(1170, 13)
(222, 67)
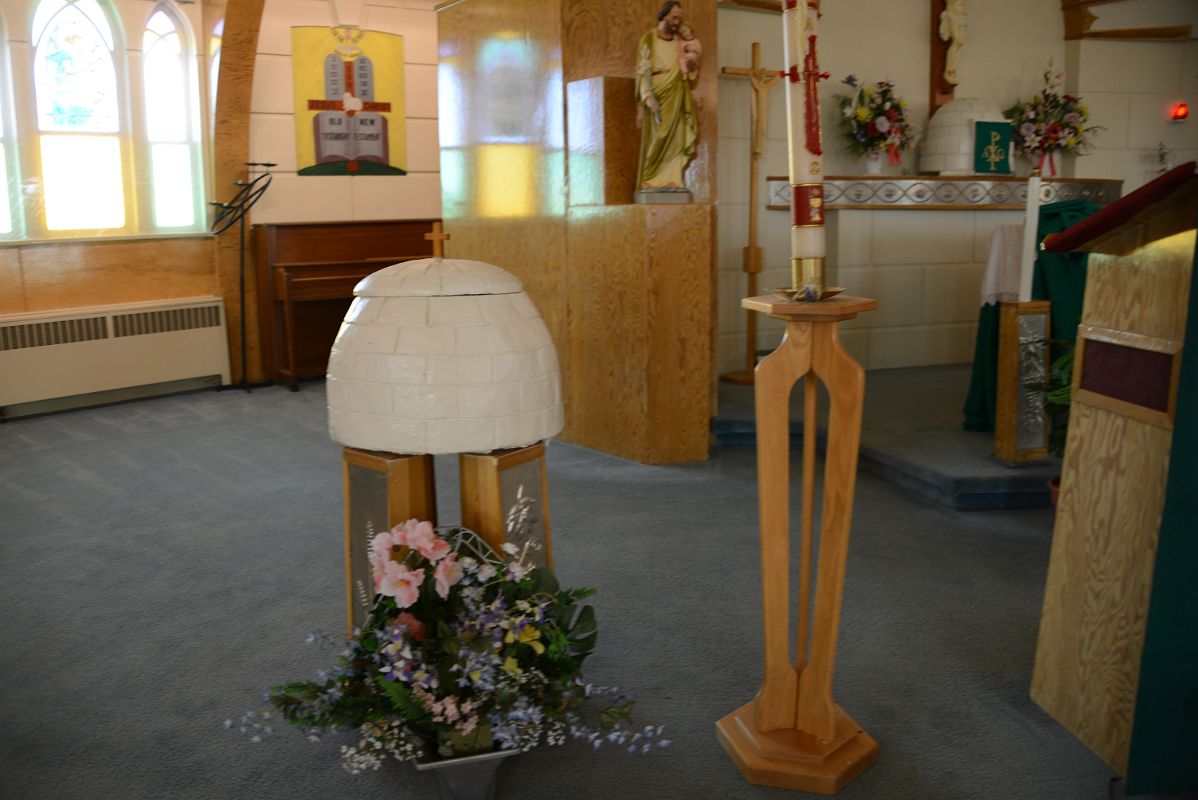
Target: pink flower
(448, 573)
(401, 583)
(415, 627)
(421, 537)
(380, 554)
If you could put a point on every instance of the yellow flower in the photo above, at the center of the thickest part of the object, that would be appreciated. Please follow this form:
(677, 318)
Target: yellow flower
(1071, 142)
(511, 667)
(864, 114)
(529, 637)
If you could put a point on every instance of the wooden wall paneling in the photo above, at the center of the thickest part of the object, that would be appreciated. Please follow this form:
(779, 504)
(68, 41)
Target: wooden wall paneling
(680, 365)
(1154, 303)
(69, 275)
(231, 149)
(12, 286)
(608, 330)
(1100, 578)
(587, 267)
(532, 249)
(602, 161)
(503, 177)
(599, 37)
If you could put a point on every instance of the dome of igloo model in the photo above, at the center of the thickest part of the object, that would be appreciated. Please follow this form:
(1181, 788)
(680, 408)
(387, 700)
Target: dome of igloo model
(442, 356)
(947, 145)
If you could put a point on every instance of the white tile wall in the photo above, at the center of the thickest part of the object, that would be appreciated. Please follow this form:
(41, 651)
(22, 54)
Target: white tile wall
(922, 237)
(416, 196)
(1127, 66)
(272, 139)
(295, 198)
(280, 16)
(272, 92)
(1112, 108)
(420, 89)
(419, 30)
(424, 154)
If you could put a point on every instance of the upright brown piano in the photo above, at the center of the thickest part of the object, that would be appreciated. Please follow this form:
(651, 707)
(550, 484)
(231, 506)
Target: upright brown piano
(306, 277)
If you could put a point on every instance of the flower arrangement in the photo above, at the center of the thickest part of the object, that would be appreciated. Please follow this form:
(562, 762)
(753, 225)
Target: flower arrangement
(874, 119)
(463, 652)
(1049, 122)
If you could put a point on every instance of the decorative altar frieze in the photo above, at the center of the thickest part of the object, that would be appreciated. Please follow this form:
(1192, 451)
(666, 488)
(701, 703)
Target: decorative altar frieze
(945, 193)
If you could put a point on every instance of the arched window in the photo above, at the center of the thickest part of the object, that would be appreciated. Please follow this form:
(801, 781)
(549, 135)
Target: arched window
(170, 128)
(78, 116)
(104, 137)
(10, 188)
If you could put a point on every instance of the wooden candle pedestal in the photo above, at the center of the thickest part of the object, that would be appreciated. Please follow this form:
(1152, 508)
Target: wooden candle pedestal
(792, 734)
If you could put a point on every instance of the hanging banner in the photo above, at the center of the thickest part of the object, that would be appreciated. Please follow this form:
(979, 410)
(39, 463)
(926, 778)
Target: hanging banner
(349, 93)
(992, 148)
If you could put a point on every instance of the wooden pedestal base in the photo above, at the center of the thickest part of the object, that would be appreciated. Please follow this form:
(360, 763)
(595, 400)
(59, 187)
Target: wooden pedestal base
(793, 759)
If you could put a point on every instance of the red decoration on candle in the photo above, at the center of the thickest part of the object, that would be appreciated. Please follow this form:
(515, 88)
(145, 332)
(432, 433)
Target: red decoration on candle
(811, 78)
(807, 204)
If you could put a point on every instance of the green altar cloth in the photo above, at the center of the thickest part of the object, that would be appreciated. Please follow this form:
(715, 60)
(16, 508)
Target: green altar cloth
(1059, 278)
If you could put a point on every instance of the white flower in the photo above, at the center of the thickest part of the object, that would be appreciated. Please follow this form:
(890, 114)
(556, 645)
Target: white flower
(882, 124)
(510, 548)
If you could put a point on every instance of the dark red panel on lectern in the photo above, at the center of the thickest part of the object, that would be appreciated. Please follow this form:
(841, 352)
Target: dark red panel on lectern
(1131, 374)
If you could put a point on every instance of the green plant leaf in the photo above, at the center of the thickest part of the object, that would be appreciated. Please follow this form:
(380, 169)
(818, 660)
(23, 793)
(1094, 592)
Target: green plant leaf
(401, 697)
(583, 632)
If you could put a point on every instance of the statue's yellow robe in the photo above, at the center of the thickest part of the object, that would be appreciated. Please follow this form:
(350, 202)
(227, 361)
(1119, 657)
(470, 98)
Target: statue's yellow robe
(667, 140)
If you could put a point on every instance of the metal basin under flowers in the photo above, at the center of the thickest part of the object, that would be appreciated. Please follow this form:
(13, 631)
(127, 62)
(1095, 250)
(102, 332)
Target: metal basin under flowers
(467, 777)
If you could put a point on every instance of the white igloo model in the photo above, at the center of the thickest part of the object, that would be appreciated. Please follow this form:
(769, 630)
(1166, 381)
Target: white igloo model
(947, 145)
(443, 355)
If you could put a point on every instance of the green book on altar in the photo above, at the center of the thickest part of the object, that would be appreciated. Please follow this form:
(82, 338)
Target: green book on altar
(992, 148)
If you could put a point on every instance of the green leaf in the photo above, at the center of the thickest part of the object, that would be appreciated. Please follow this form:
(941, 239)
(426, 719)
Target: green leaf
(583, 632)
(401, 697)
(543, 581)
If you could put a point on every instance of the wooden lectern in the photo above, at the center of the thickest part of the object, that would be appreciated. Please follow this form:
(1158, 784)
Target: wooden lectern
(793, 734)
(1116, 661)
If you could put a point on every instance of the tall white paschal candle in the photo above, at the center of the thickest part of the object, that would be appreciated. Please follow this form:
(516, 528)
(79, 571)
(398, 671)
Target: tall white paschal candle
(807, 242)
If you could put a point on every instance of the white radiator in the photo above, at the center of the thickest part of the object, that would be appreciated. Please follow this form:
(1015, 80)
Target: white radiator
(83, 351)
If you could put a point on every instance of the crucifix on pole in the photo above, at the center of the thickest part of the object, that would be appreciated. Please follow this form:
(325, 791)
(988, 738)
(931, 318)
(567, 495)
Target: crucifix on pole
(762, 81)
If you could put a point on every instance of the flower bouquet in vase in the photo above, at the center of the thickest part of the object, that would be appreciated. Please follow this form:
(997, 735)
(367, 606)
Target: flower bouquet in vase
(1049, 122)
(875, 124)
(467, 655)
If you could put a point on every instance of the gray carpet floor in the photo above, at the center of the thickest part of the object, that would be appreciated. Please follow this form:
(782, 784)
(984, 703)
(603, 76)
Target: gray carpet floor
(162, 561)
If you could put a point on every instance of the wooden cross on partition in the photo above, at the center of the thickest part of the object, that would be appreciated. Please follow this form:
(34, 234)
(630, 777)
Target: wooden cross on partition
(763, 81)
(437, 237)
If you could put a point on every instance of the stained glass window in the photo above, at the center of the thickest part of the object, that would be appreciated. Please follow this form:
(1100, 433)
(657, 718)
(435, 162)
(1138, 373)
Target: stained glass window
(109, 140)
(73, 69)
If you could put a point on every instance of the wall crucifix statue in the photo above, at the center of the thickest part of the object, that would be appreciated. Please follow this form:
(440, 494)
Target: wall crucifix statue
(948, 39)
(762, 81)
